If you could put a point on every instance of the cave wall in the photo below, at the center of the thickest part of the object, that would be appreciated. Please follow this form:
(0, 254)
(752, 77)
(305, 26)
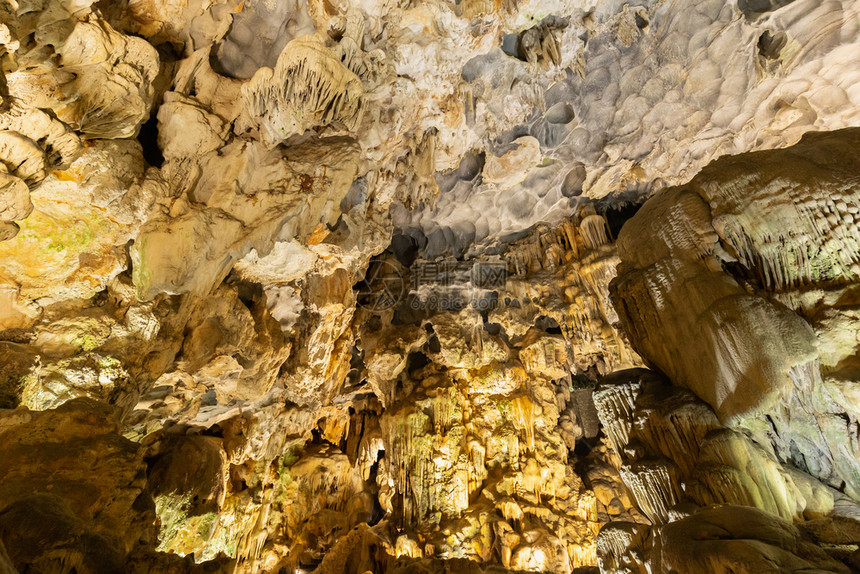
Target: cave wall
(388, 286)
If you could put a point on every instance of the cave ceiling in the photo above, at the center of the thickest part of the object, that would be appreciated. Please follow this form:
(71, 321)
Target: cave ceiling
(394, 286)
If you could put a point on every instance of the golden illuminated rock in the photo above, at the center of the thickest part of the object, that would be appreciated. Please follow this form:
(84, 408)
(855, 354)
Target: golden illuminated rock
(376, 287)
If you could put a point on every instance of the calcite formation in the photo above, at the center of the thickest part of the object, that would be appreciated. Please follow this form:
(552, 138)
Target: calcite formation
(481, 287)
(753, 302)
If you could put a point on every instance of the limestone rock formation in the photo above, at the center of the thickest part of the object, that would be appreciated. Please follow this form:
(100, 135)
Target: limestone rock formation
(742, 348)
(308, 87)
(495, 287)
(91, 509)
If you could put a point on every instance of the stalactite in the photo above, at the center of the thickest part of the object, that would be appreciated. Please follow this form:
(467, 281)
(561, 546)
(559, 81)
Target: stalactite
(675, 427)
(655, 486)
(594, 230)
(309, 86)
(615, 405)
(523, 413)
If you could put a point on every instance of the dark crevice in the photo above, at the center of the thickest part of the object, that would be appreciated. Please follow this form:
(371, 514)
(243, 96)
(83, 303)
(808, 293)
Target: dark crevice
(754, 8)
(433, 345)
(148, 138)
(405, 249)
(742, 274)
(770, 45)
(583, 447)
(548, 324)
(249, 293)
(617, 217)
(416, 361)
